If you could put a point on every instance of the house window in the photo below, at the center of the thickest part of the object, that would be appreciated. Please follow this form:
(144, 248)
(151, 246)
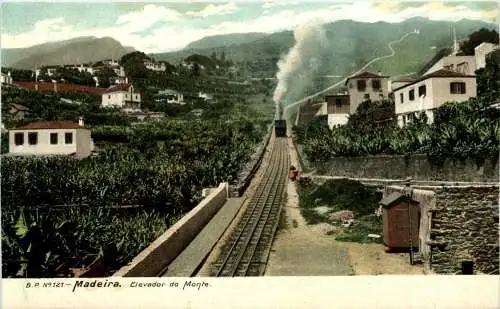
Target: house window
(19, 139)
(411, 94)
(109, 96)
(32, 138)
(422, 91)
(457, 88)
(68, 138)
(367, 96)
(361, 85)
(351, 85)
(53, 138)
(401, 97)
(376, 84)
(338, 103)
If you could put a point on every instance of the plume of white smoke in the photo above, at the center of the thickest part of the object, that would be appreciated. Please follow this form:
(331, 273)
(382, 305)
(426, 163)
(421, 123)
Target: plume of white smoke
(297, 69)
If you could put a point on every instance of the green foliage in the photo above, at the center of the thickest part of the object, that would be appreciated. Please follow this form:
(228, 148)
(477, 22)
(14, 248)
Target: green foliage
(480, 36)
(46, 242)
(20, 75)
(160, 166)
(488, 78)
(359, 230)
(468, 129)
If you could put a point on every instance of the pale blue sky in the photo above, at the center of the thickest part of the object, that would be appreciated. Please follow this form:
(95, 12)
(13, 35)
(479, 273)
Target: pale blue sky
(165, 26)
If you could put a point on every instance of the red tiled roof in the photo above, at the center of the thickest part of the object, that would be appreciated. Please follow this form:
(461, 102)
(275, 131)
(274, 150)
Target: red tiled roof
(438, 74)
(119, 87)
(61, 87)
(50, 125)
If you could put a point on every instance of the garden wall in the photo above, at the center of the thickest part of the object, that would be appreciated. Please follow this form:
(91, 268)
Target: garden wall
(155, 258)
(458, 223)
(417, 166)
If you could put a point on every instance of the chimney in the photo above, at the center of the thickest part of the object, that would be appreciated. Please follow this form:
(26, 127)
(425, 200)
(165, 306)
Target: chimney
(36, 86)
(55, 85)
(80, 121)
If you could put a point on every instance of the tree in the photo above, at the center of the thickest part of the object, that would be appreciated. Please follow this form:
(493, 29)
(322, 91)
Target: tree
(483, 35)
(105, 76)
(488, 78)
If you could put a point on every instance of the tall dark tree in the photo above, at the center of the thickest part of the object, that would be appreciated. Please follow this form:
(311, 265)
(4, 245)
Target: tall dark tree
(488, 78)
(483, 35)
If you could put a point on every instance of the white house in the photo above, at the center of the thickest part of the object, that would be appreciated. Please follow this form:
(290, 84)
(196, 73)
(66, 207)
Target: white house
(461, 64)
(430, 92)
(481, 51)
(337, 109)
(111, 62)
(366, 86)
(51, 138)
(397, 83)
(155, 66)
(6, 79)
(465, 64)
(205, 96)
(85, 69)
(172, 96)
(122, 96)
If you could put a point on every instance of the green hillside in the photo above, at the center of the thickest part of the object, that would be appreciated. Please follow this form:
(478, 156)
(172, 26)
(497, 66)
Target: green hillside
(352, 44)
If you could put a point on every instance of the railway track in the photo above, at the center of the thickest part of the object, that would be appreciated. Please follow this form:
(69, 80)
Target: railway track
(247, 249)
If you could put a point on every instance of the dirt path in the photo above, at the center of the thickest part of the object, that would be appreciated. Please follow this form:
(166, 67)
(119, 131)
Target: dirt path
(305, 250)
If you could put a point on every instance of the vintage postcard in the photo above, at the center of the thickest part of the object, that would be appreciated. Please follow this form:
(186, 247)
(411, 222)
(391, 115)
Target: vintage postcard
(331, 152)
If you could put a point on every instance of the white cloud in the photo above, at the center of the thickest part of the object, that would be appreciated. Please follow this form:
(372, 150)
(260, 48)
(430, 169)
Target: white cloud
(275, 3)
(148, 16)
(215, 9)
(171, 36)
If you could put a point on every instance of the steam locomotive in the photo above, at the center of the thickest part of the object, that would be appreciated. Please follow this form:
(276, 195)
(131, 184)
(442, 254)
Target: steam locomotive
(279, 122)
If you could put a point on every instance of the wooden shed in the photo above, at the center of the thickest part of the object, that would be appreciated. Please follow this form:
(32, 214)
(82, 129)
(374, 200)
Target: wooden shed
(401, 220)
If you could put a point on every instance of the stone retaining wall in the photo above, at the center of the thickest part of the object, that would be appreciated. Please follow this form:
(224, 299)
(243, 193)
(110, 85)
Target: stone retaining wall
(458, 223)
(417, 166)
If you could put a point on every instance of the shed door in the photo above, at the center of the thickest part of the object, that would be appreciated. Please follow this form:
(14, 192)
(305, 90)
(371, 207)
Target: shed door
(399, 225)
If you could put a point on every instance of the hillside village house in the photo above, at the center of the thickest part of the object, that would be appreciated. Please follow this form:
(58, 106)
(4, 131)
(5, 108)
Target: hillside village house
(482, 51)
(171, 96)
(337, 108)
(366, 86)
(430, 92)
(122, 96)
(6, 79)
(110, 62)
(85, 69)
(464, 64)
(155, 66)
(51, 138)
(205, 96)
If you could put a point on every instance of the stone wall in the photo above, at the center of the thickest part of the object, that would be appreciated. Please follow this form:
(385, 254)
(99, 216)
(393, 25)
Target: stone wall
(458, 223)
(417, 166)
(465, 227)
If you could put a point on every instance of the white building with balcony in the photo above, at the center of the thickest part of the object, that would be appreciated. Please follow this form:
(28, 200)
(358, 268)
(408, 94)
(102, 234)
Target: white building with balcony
(430, 92)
